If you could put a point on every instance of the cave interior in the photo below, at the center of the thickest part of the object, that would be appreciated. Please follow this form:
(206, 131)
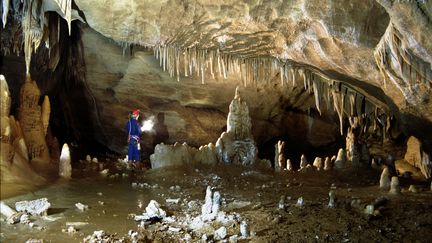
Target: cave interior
(296, 120)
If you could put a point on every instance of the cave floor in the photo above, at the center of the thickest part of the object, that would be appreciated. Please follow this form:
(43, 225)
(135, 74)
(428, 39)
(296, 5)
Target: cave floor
(250, 193)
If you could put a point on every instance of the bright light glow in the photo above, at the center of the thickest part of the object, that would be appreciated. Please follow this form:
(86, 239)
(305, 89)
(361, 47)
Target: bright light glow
(147, 125)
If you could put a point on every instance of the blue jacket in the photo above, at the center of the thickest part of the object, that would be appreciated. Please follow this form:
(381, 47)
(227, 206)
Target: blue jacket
(133, 128)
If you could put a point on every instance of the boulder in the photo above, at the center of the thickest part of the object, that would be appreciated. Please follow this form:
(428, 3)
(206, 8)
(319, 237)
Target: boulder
(34, 207)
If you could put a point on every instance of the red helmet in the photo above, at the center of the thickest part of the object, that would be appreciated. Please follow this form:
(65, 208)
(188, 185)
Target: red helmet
(136, 112)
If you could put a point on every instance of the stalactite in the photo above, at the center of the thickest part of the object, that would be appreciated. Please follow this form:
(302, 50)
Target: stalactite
(164, 60)
(286, 73)
(211, 65)
(185, 62)
(338, 99)
(352, 105)
(224, 69)
(32, 28)
(66, 9)
(5, 11)
(281, 74)
(317, 94)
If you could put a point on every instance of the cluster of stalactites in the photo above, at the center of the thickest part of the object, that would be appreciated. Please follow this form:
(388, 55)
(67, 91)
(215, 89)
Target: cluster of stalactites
(399, 65)
(329, 94)
(35, 24)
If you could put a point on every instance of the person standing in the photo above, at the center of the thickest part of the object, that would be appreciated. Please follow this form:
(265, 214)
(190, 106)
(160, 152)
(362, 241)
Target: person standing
(134, 136)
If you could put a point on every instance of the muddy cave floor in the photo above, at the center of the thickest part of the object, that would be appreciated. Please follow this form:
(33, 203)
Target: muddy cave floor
(251, 193)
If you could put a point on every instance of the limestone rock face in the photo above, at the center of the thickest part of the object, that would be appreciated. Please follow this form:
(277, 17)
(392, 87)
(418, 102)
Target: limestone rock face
(236, 145)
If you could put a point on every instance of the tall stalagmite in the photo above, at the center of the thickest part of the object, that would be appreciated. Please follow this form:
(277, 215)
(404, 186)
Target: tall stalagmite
(31, 123)
(236, 145)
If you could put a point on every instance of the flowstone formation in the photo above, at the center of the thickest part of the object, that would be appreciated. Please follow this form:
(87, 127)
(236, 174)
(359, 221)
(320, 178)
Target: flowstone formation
(236, 145)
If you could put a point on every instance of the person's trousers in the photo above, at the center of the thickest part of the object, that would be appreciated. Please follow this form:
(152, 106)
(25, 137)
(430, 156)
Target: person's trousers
(134, 153)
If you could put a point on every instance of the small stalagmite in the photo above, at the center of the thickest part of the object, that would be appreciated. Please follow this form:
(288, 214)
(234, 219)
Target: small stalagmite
(207, 207)
(65, 168)
(394, 185)
(332, 199)
(328, 165)
(385, 179)
(216, 204)
(289, 166)
(352, 144)
(244, 231)
(318, 164)
(303, 162)
(279, 156)
(340, 161)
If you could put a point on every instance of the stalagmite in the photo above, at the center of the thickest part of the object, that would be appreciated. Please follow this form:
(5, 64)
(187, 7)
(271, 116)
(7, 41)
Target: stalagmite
(394, 185)
(46, 110)
(332, 199)
(385, 179)
(236, 145)
(244, 231)
(7, 152)
(318, 163)
(207, 207)
(279, 156)
(328, 164)
(352, 143)
(303, 161)
(30, 120)
(289, 166)
(65, 168)
(216, 204)
(340, 162)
